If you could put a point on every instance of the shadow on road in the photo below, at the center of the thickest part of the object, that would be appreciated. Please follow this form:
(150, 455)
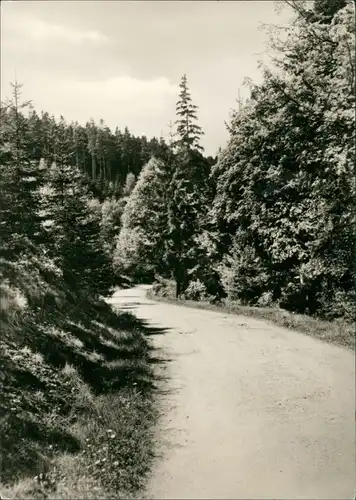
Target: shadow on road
(125, 305)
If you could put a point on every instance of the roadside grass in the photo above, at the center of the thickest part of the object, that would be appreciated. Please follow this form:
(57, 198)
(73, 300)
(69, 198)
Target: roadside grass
(78, 407)
(339, 331)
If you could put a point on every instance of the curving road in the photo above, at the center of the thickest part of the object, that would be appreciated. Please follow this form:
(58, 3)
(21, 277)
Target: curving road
(249, 410)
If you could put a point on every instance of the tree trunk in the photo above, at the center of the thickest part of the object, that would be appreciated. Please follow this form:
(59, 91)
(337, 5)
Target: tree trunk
(93, 167)
(178, 288)
(176, 277)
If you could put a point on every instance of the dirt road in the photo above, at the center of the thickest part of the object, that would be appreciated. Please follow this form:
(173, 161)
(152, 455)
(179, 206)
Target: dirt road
(250, 410)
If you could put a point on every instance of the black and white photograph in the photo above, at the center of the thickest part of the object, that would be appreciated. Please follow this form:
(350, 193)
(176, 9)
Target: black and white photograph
(177, 249)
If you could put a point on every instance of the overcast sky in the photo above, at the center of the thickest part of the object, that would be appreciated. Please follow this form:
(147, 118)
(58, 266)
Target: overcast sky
(122, 61)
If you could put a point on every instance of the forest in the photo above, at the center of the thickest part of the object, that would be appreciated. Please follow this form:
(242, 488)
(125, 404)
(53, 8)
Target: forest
(273, 220)
(269, 222)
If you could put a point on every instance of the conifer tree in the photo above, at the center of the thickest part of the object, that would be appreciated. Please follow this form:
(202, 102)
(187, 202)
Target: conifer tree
(188, 191)
(92, 147)
(20, 179)
(188, 131)
(23, 261)
(73, 230)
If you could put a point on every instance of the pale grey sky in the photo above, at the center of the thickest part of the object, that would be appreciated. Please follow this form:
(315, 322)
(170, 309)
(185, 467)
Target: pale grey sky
(122, 61)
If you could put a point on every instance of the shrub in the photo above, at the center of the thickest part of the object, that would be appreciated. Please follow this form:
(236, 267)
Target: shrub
(265, 300)
(196, 290)
(164, 288)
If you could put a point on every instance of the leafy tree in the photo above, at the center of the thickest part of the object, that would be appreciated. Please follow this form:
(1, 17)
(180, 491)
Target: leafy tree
(140, 245)
(322, 11)
(284, 181)
(325, 10)
(110, 224)
(129, 184)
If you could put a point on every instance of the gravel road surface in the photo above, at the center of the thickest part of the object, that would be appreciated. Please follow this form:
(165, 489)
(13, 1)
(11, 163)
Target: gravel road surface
(249, 410)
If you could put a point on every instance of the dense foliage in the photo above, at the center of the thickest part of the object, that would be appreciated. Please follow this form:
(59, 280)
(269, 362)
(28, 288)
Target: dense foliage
(140, 246)
(164, 215)
(285, 183)
(273, 221)
(188, 132)
(270, 221)
(105, 157)
(62, 348)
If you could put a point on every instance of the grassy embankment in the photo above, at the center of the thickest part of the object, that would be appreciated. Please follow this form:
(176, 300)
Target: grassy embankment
(77, 404)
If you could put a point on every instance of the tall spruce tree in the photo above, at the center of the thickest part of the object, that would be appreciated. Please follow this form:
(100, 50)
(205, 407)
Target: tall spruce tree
(187, 196)
(73, 230)
(20, 179)
(188, 191)
(188, 131)
(23, 260)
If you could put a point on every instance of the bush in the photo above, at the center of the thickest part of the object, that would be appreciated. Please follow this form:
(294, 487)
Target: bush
(196, 290)
(345, 305)
(265, 300)
(164, 288)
